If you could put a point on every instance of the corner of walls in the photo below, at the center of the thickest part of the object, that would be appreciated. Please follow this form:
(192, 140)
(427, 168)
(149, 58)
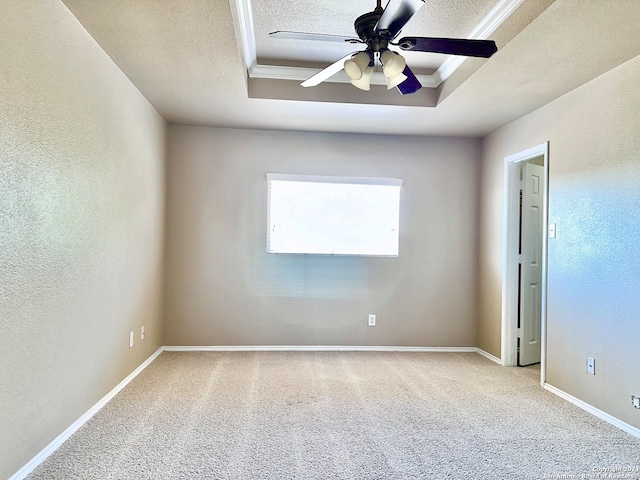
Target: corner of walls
(477, 229)
(489, 267)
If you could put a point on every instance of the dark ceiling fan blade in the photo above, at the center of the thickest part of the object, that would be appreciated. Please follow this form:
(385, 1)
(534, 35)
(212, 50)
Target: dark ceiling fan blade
(396, 15)
(322, 37)
(449, 46)
(331, 70)
(411, 84)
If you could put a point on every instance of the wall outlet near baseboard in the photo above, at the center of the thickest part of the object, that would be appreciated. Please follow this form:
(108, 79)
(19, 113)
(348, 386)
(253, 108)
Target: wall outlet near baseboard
(372, 320)
(591, 365)
(130, 339)
(635, 401)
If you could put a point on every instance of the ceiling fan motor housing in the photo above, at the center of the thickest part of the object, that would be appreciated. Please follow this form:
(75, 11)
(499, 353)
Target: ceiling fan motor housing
(365, 28)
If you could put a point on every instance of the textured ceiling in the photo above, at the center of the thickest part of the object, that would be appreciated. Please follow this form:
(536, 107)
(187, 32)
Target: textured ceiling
(184, 56)
(437, 18)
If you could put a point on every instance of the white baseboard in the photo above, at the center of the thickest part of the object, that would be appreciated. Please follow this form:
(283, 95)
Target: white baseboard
(493, 358)
(594, 411)
(60, 439)
(314, 348)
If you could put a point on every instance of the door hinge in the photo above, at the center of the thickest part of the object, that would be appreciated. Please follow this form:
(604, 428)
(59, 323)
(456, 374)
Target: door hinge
(519, 332)
(519, 258)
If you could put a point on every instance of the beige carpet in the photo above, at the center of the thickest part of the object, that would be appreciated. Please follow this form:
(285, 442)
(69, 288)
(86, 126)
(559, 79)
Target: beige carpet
(338, 415)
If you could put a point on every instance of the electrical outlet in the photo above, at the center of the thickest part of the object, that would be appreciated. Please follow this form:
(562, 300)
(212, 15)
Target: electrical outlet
(142, 333)
(130, 339)
(372, 320)
(591, 365)
(635, 401)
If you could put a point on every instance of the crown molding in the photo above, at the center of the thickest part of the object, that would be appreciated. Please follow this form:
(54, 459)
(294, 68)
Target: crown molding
(246, 31)
(498, 14)
(277, 72)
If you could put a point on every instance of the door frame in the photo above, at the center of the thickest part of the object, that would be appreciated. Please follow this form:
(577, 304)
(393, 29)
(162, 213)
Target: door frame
(511, 232)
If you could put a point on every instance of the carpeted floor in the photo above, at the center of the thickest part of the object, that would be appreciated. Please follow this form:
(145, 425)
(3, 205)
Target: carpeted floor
(339, 415)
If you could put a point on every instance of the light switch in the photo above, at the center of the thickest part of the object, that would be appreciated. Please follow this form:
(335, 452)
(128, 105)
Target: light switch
(591, 365)
(552, 230)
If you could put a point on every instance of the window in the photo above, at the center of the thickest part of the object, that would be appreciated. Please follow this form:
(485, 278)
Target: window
(311, 214)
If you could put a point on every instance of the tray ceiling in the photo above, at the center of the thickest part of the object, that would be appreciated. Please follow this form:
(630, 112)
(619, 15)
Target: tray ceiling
(189, 59)
(297, 60)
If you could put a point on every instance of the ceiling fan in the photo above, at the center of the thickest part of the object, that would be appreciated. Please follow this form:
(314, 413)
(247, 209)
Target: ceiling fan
(378, 30)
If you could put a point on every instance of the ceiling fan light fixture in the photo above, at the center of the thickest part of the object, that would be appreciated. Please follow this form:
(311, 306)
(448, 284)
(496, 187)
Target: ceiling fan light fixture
(364, 82)
(357, 65)
(395, 81)
(392, 63)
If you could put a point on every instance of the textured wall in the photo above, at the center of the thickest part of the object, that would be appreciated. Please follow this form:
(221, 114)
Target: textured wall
(81, 226)
(594, 271)
(224, 289)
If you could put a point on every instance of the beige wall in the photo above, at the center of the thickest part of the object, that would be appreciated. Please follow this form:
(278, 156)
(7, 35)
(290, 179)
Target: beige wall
(81, 223)
(224, 289)
(594, 271)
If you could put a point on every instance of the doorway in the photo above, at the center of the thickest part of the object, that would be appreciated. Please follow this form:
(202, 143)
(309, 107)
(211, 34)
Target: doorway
(524, 287)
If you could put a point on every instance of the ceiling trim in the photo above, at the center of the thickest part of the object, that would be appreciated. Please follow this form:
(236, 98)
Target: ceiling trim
(498, 14)
(277, 72)
(246, 30)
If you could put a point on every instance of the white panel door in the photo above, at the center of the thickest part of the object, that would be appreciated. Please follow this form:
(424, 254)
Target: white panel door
(531, 269)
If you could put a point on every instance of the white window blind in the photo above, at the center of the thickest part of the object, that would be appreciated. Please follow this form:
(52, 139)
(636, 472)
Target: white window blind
(309, 214)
